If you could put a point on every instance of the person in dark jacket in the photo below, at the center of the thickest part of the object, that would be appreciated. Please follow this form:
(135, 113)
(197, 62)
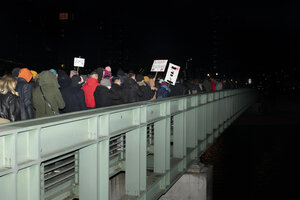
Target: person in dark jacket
(77, 82)
(162, 89)
(177, 89)
(103, 95)
(121, 74)
(24, 88)
(73, 96)
(47, 99)
(145, 89)
(131, 89)
(207, 85)
(9, 100)
(117, 90)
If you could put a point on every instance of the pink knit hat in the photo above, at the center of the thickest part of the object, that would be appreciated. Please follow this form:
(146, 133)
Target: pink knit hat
(108, 68)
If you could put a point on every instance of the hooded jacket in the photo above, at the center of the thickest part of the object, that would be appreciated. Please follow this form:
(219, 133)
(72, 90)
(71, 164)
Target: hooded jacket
(49, 85)
(72, 95)
(89, 89)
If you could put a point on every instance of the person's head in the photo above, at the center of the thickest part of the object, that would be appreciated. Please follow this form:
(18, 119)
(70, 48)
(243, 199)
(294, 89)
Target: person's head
(15, 72)
(26, 74)
(107, 68)
(116, 80)
(146, 78)
(53, 71)
(131, 75)
(105, 82)
(93, 74)
(99, 71)
(34, 74)
(8, 84)
(76, 79)
(139, 78)
(62, 74)
(72, 73)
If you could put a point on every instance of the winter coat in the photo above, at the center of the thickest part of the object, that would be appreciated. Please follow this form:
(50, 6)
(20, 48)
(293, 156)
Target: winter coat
(73, 96)
(177, 89)
(104, 97)
(117, 90)
(50, 87)
(146, 91)
(131, 90)
(162, 92)
(89, 89)
(207, 85)
(213, 85)
(10, 107)
(25, 97)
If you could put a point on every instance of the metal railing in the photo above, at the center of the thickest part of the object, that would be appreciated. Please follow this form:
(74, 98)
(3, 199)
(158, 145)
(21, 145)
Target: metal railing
(76, 154)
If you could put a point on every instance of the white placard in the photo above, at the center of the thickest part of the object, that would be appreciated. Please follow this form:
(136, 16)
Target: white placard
(172, 74)
(159, 65)
(79, 62)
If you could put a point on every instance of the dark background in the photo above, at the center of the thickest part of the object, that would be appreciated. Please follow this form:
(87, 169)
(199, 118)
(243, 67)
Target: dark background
(236, 39)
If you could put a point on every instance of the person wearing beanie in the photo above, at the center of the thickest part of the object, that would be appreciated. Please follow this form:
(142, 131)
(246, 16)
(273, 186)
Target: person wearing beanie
(107, 68)
(146, 79)
(34, 80)
(24, 88)
(53, 71)
(105, 82)
(103, 95)
(107, 73)
(34, 73)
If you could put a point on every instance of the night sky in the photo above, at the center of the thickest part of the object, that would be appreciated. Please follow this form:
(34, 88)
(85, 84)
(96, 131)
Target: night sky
(246, 37)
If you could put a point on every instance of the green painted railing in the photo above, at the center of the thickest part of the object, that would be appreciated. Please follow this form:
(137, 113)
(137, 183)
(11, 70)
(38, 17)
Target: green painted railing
(76, 154)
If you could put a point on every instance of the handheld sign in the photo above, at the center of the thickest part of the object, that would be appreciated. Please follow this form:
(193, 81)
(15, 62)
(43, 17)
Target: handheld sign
(79, 62)
(172, 74)
(159, 65)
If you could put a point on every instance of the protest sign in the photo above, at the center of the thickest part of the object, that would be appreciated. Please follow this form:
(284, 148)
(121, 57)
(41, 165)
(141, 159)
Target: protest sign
(79, 62)
(172, 74)
(159, 65)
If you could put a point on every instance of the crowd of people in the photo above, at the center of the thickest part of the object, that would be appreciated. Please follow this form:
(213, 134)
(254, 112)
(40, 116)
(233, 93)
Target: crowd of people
(26, 94)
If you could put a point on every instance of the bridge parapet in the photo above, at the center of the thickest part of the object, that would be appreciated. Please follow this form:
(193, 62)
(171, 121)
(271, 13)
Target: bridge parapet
(76, 154)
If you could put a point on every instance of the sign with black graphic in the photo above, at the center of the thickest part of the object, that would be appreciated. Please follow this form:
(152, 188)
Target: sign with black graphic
(172, 74)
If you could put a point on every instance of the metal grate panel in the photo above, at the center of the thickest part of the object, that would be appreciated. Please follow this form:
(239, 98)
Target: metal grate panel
(59, 176)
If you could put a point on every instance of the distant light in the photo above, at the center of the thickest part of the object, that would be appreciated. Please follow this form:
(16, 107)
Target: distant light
(62, 65)
(208, 75)
(250, 81)
(217, 74)
(63, 16)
